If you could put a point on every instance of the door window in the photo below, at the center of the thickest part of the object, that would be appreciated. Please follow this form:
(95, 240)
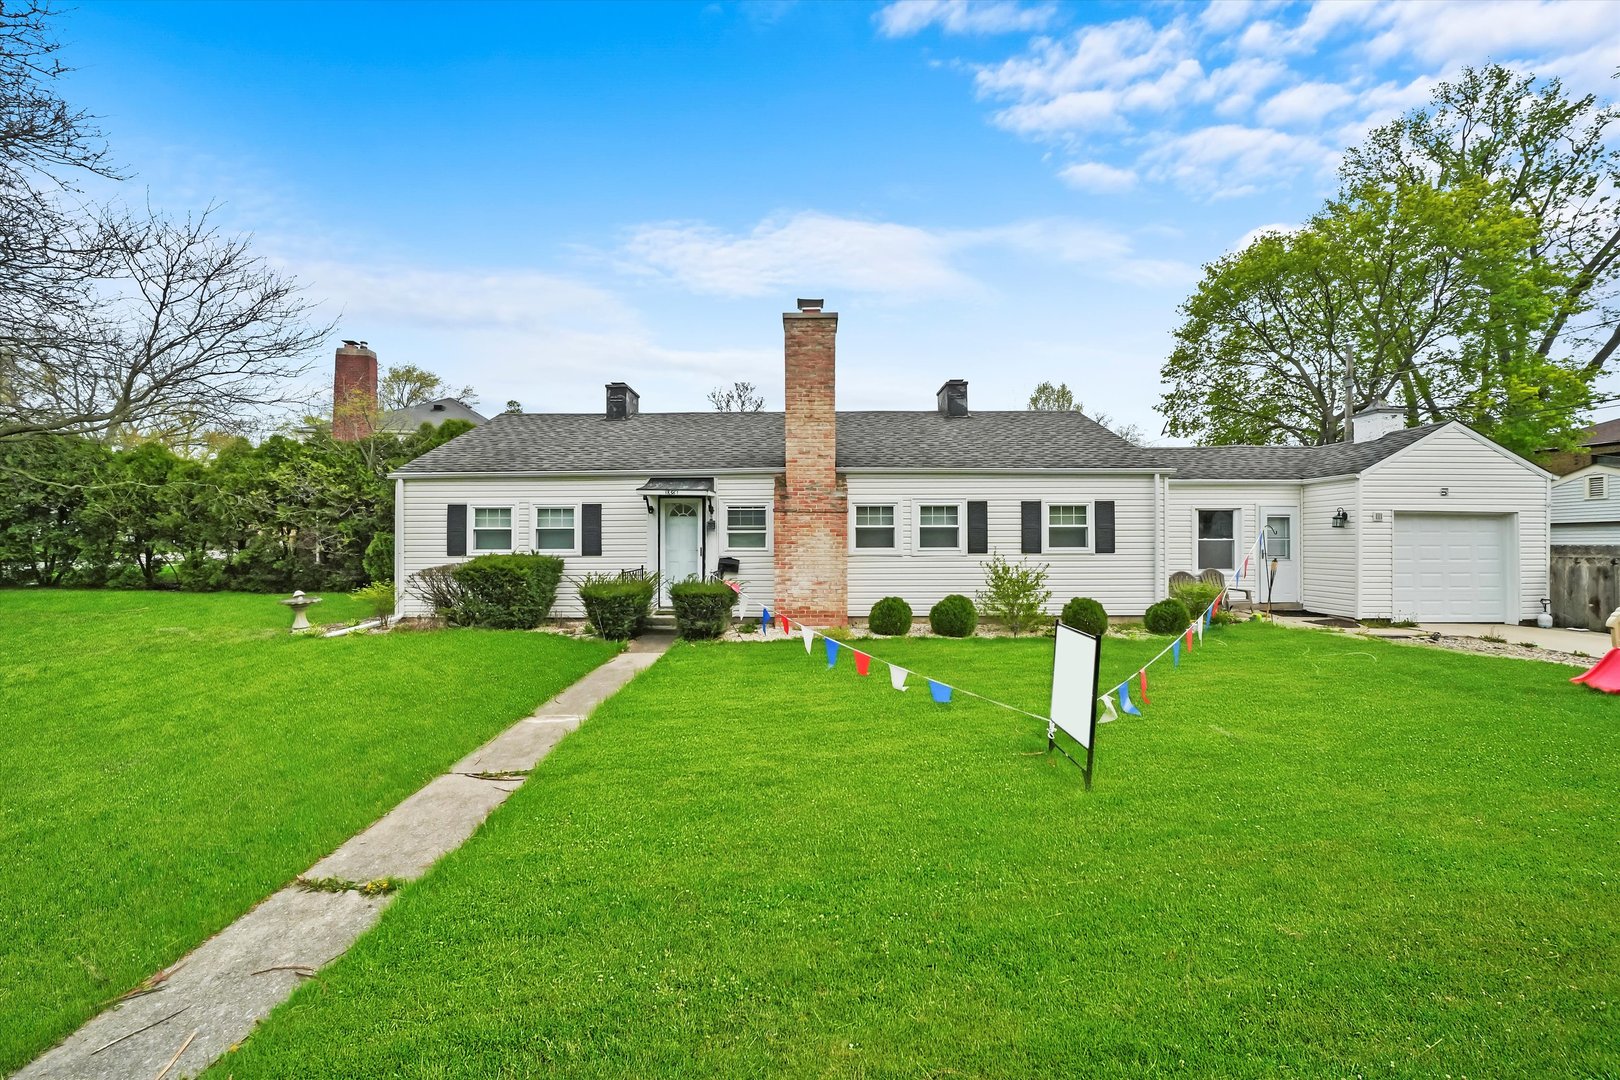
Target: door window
(1279, 541)
(1217, 544)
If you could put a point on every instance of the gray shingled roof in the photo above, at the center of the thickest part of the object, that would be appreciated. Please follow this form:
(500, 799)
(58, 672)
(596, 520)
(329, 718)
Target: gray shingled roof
(656, 442)
(429, 412)
(1025, 439)
(1285, 462)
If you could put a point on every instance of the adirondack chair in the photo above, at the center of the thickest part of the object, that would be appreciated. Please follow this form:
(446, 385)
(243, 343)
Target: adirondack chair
(1214, 577)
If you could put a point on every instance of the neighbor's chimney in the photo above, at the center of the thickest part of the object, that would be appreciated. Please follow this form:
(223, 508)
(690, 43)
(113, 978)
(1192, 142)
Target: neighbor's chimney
(622, 402)
(811, 526)
(1378, 419)
(952, 398)
(354, 391)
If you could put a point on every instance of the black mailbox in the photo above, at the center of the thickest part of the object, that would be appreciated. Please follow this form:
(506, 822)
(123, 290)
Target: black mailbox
(728, 565)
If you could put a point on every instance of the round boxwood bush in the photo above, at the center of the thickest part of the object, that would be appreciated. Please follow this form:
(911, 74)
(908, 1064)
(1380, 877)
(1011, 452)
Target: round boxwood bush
(617, 607)
(891, 617)
(506, 592)
(1167, 617)
(1084, 613)
(954, 616)
(702, 608)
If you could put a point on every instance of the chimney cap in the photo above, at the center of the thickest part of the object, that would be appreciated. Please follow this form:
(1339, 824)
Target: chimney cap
(351, 344)
(810, 306)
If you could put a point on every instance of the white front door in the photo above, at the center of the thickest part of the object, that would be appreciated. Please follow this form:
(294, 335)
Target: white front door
(680, 545)
(1280, 527)
(1451, 567)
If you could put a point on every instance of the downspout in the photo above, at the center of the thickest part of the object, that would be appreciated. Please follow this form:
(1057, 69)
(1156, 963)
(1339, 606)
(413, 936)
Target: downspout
(399, 545)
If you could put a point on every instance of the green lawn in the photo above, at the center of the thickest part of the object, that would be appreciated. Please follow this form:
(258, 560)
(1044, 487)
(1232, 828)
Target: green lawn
(1315, 855)
(171, 759)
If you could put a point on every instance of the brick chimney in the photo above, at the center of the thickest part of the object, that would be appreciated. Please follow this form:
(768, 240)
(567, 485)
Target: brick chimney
(812, 531)
(354, 392)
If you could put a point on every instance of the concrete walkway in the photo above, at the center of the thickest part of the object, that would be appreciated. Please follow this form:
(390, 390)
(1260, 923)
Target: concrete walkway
(211, 1000)
(1578, 642)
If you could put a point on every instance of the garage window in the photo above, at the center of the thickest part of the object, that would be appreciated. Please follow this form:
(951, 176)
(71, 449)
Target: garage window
(1217, 539)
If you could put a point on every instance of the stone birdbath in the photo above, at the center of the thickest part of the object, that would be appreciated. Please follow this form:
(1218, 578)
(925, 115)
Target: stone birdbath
(299, 602)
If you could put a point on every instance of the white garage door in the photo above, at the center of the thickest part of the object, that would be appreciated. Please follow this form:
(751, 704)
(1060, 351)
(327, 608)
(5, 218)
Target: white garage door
(1451, 567)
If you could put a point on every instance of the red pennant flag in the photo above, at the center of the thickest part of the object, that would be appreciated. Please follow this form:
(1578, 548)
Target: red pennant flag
(1215, 605)
(1143, 674)
(1189, 636)
(784, 620)
(734, 586)
(863, 663)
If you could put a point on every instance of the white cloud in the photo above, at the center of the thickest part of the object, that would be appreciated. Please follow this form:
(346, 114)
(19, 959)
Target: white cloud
(904, 18)
(1229, 160)
(1098, 177)
(1306, 104)
(1276, 228)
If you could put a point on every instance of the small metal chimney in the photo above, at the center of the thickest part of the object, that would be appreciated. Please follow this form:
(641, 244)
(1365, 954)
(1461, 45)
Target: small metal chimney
(810, 307)
(953, 398)
(622, 402)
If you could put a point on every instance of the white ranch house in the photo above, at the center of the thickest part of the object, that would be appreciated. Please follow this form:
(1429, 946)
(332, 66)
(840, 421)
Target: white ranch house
(825, 512)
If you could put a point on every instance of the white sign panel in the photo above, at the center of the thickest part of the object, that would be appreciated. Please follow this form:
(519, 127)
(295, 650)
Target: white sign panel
(1074, 683)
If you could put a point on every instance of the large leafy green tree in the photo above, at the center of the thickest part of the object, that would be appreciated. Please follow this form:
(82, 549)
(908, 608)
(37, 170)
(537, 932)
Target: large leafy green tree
(1440, 284)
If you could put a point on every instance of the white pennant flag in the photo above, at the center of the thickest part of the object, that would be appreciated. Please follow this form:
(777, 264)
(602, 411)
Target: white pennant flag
(1108, 707)
(1200, 631)
(897, 677)
(809, 636)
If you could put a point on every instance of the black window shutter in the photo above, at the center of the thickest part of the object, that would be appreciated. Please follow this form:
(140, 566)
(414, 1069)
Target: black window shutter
(1105, 528)
(590, 529)
(455, 529)
(1032, 527)
(978, 528)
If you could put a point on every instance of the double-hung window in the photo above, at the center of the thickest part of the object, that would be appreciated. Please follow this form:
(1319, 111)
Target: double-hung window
(554, 528)
(939, 526)
(492, 528)
(1068, 527)
(875, 527)
(746, 527)
(1217, 539)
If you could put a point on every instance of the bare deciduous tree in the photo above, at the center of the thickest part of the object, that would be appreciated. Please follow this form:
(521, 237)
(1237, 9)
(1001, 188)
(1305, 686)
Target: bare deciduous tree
(742, 397)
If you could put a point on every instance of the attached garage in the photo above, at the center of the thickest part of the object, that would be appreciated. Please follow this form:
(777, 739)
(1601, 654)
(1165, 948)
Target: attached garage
(1453, 567)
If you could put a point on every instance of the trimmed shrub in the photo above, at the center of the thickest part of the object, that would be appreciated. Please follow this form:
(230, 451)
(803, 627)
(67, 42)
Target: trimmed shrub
(954, 616)
(507, 592)
(617, 607)
(1196, 596)
(890, 617)
(1167, 617)
(1015, 594)
(379, 557)
(1084, 613)
(702, 608)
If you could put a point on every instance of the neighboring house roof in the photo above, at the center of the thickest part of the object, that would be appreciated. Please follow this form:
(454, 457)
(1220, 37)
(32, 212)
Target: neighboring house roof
(429, 412)
(1607, 465)
(1287, 462)
(1605, 434)
(658, 442)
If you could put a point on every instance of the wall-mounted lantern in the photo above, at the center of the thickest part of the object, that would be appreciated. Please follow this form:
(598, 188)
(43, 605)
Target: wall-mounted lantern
(1341, 519)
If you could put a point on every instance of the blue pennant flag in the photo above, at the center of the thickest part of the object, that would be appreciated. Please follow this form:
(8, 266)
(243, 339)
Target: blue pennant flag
(764, 621)
(1126, 705)
(832, 652)
(1175, 652)
(1207, 612)
(940, 691)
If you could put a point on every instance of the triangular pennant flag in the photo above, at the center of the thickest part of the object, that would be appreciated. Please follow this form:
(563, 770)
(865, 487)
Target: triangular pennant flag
(1215, 604)
(1200, 624)
(863, 663)
(764, 621)
(783, 619)
(897, 677)
(734, 586)
(1143, 676)
(1175, 653)
(1108, 707)
(832, 652)
(1189, 637)
(1125, 703)
(941, 693)
(809, 636)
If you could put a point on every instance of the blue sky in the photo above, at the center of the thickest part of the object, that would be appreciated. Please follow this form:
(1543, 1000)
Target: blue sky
(538, 199)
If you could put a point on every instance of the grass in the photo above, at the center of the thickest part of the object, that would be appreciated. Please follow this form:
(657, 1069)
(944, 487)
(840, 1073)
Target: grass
(172, 759)
(1315, 855)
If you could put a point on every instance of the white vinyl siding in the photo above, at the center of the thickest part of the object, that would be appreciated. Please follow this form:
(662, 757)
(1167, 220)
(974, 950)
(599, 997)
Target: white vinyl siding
(1330, 556)
(1122, 582)
(491, 529)
(1477, 479)
(1580, 518)
(629, 539)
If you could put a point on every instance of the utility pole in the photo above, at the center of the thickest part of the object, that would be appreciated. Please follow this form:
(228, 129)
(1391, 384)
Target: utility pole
(1349, 391)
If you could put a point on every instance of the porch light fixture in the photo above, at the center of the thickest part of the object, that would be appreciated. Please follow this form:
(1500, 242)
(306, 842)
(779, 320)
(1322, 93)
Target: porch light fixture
(1341, 519)
(648, 500)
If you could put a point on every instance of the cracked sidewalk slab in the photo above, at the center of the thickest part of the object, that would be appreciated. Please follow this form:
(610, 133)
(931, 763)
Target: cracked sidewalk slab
(230, 982)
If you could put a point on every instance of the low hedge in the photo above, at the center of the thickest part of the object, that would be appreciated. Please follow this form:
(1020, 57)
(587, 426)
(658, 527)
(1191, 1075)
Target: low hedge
(954, 616)
(702, 608)
(506, 592)
(1197, 596)
(1084, 613)
(890, 617)
(617, 607)
(1167, 617)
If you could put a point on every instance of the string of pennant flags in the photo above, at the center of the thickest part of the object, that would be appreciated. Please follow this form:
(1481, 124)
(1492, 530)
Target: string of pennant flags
(1114, 701)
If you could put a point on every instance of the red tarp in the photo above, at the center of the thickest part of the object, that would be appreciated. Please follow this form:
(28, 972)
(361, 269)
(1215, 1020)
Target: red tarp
(1604, 675)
